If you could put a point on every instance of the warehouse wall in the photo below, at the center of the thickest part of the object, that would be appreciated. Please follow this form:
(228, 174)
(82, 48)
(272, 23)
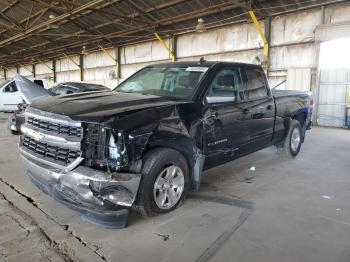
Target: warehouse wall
(292, 47)
(44, 70)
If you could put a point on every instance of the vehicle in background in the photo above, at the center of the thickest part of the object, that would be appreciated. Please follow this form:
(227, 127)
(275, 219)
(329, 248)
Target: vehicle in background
(145, 144)
(30, 91)
(10, 96)
(74, 87)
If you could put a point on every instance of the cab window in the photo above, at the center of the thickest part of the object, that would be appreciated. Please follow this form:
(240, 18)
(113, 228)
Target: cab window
(254, 84)
(227, 82)
(11, 88)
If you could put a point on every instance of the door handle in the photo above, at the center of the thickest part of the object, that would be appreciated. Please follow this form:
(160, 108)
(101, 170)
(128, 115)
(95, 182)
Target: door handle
(245, 111)
(269, 107)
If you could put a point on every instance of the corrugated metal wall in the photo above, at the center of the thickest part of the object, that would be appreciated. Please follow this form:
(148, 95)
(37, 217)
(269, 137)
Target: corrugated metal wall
(299, 79)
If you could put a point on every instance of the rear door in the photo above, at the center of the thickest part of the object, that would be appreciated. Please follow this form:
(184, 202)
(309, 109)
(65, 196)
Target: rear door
(227, 123)
(262, 107)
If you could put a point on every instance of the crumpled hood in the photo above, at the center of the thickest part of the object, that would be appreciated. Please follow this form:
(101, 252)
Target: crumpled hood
(30, 91)
(99, 106)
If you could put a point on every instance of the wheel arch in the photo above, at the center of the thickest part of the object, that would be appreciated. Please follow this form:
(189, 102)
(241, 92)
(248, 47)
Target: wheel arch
(187, 147)
(301, 117)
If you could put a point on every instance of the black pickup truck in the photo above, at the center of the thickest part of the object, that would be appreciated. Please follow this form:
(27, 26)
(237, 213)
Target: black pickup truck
(146, 144)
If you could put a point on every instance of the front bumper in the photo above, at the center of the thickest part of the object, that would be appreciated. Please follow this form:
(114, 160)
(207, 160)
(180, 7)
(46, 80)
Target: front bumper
(100, 197)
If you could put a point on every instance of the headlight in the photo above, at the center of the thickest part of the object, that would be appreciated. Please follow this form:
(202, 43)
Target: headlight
(113, 148)
(117, 155)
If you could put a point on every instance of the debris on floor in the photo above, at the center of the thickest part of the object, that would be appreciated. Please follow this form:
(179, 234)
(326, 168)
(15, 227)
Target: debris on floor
(326, 197)
(165, 237)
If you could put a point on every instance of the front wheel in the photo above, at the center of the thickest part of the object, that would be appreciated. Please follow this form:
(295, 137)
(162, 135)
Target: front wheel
(164, 182)
(292, 143)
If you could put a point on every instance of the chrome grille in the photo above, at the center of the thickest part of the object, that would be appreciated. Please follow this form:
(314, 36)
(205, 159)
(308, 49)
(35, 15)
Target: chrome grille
(48, 152)
(52, 139)
(56, 128)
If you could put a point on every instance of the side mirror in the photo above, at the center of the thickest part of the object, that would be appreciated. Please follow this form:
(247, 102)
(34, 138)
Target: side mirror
(221, 97)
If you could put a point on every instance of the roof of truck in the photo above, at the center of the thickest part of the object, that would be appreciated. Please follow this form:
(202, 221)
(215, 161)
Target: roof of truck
(203, 63)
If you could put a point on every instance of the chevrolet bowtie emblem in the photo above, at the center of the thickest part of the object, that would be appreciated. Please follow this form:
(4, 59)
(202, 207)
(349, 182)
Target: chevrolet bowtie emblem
(37, 136)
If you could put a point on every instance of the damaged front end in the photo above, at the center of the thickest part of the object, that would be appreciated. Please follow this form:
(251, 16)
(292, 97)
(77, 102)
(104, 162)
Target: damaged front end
(81, 165)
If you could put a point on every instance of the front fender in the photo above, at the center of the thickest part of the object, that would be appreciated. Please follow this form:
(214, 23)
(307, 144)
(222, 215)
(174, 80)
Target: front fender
(186, 146)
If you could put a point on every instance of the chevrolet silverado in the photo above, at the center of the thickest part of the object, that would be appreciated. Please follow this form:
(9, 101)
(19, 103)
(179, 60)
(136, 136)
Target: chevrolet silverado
(145, 145)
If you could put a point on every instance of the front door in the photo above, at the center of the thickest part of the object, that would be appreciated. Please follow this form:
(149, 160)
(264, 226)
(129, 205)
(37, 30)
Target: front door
(226, 117)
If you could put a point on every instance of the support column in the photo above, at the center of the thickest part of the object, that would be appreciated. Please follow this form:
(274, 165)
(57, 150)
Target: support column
(33, 71)
(117, 60)
(268, 38)
(174, 46)
(5, 73)
(81, 66)
(54, 70)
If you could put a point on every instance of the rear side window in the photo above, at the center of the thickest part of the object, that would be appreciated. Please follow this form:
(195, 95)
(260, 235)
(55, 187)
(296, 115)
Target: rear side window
(254, 84)
(39, 82)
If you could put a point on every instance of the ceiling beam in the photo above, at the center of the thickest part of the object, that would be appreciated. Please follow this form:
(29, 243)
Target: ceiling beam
(109, 13)
(83, 26)
(23, 35)
(167, 21)
(118, 20)
(25, 19)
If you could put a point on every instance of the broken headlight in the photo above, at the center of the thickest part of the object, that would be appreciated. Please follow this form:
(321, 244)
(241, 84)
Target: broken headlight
(117, 153)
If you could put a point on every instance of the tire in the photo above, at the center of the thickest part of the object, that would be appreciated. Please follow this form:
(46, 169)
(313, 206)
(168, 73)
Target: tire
(157, 165)
(8, 126)
(292, 143)
(15, 133)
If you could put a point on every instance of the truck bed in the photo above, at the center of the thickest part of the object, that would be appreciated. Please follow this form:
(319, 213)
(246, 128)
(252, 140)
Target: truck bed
(284, 93)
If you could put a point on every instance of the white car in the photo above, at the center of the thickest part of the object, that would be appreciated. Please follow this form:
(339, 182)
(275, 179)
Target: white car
(10, 94)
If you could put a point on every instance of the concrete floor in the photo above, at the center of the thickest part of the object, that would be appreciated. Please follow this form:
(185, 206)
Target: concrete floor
(285, 210)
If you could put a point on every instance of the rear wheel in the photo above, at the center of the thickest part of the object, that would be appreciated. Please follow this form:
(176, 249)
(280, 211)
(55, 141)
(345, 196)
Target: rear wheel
(164, 182)
(292, 143)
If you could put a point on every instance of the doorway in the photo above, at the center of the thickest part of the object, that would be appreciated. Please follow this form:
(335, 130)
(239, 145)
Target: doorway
(334, 83)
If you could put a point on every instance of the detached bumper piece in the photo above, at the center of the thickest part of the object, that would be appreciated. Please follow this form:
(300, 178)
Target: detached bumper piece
(101, 198)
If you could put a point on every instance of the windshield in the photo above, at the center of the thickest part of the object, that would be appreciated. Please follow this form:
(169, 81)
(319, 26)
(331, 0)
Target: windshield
(176, 82)
(2, 84)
